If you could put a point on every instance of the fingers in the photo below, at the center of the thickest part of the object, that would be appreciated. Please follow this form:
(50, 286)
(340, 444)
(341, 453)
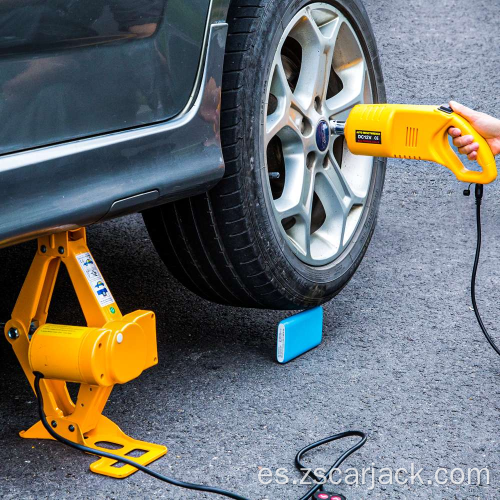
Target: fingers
(470, 148)
(468, 113)
(465, 144)
(463, 140)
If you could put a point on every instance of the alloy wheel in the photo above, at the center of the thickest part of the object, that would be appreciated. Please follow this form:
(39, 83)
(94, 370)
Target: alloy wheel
(317, 187)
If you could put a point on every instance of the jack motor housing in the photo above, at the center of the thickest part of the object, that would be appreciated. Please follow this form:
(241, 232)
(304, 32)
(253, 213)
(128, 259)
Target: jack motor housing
(114, 354)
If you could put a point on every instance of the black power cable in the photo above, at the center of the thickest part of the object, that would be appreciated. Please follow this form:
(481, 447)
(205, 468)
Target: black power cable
(193, 486)
(479, 197)
(321, 481)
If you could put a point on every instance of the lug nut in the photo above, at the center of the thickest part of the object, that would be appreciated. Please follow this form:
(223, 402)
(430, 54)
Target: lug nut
(337, 127)
(13, 334)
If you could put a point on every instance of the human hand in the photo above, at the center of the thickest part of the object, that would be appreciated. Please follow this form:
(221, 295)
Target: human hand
(484, 124)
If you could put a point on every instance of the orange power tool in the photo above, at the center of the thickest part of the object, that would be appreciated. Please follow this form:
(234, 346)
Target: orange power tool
(416, 133)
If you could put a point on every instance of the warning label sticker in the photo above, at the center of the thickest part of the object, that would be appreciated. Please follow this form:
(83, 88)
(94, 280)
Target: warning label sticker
(62, 331)
(95, 279)
(368, 136)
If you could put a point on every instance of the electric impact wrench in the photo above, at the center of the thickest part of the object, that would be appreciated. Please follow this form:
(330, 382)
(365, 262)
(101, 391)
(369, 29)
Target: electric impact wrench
(414, 133)
(384, 130)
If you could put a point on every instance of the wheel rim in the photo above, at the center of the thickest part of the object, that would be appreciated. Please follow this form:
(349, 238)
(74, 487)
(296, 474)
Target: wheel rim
(318, 189)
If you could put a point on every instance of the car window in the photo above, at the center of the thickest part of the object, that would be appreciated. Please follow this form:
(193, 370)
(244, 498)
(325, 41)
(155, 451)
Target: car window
(37, 25)
(72, 68)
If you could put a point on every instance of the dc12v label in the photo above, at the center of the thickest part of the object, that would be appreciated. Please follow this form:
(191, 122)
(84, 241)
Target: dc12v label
(369, 137)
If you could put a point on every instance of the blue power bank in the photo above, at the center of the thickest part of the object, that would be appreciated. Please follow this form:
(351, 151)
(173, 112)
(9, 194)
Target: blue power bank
(299, 333)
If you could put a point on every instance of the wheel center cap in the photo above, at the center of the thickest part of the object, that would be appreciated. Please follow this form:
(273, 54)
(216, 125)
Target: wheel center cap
(322, 135)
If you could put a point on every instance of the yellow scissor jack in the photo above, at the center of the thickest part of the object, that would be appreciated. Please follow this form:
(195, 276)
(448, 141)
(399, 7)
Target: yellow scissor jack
(112, 349)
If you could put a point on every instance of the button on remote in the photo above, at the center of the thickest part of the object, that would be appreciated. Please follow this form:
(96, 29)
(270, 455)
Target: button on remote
(325, 495)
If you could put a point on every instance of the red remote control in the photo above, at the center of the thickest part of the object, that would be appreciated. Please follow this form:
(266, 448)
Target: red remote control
(324, 495)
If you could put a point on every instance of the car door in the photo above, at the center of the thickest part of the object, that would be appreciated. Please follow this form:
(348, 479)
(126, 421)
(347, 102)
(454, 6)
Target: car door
(71, 69)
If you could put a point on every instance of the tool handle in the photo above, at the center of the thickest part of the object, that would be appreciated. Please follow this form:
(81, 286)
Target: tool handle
(485, 157)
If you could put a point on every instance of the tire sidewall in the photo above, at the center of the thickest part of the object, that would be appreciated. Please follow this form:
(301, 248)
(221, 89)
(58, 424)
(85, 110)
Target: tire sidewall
(296, 278)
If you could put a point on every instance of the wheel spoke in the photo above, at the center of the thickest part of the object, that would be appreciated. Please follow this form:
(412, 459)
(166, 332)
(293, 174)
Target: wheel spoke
(337, 178)
(335, 192)
(317, 46)
(353, 79)
(307, 202)
(280, 92)
(279, 86)
(295, 121)
(288, 207)
(274, 126)
(307, 194)
(296, 201)
(329, 237)
(300, 234)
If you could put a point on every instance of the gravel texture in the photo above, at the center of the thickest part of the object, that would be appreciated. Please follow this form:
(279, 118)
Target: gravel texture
(402, 357)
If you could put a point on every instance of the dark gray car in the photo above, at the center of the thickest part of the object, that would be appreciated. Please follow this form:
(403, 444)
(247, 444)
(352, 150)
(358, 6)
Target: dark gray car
(209, 116)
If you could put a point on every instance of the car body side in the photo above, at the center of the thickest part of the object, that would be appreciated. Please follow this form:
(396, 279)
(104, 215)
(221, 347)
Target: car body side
(114, 163)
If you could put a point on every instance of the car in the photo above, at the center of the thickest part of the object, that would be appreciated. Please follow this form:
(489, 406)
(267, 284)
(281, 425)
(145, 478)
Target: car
(211, 117)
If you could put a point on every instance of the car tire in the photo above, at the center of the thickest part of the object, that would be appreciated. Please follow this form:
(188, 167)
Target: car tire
(227, 245)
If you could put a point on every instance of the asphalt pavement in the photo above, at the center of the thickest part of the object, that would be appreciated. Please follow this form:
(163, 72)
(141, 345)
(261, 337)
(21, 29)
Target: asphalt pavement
(402, 356)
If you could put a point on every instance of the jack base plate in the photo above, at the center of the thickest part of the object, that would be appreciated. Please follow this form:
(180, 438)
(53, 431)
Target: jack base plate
(106, 436)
